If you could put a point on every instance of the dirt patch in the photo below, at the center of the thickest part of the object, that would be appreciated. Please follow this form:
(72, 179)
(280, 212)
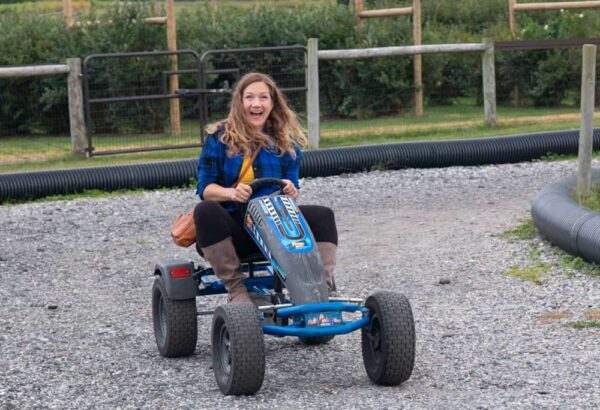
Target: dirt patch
(553, 316)
(593, 314)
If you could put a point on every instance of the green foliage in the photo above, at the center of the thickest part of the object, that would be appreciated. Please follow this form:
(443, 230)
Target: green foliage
(349, 88)
(545, 77)
(31, 39)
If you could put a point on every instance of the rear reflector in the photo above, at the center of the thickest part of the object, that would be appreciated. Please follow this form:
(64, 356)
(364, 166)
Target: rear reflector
(177, 273)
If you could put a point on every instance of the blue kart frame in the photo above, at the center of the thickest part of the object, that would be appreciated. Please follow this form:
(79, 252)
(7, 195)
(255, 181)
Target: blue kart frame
(290, 295)
(266, 285)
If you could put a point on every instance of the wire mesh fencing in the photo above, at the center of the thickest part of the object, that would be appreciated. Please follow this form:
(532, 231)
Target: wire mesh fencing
(34, 120)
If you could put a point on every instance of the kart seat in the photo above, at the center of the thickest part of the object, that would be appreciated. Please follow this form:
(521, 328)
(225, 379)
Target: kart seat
(254, 258)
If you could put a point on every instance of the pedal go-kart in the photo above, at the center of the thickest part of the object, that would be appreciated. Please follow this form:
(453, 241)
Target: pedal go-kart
(290, 277)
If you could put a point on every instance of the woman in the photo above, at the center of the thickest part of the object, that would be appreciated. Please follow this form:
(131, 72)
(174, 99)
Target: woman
(260, 138)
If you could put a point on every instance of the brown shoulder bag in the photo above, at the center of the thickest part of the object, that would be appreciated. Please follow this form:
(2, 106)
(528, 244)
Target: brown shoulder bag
(183, 230)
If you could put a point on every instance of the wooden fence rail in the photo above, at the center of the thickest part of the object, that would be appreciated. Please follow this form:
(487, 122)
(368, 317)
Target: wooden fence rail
(75, 91)
(486, 48)
(513, 6)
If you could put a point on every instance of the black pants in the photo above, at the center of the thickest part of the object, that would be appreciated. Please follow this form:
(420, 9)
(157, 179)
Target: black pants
(214, 223)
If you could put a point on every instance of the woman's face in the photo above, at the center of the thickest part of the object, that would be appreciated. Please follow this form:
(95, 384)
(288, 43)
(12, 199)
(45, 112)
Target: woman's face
(257, 103)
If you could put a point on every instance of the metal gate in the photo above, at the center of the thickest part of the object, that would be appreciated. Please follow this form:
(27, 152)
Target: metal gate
(133, 104)
(220, 69)
(126, 94)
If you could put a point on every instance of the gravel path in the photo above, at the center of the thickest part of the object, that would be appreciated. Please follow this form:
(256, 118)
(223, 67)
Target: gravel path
(76, 280)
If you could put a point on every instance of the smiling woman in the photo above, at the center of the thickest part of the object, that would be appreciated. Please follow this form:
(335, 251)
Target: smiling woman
(260, 138)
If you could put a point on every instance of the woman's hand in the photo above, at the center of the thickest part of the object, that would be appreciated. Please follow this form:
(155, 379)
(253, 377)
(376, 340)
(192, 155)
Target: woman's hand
(241, 193)
(290, 189)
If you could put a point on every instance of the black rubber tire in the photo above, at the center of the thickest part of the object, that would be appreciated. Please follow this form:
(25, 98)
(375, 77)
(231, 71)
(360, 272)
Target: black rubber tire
(388, 340)
(175, 322)
(238, 349)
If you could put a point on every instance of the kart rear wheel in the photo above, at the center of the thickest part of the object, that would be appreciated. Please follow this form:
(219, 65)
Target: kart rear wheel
(388, 340)
(175, 322)
(238, 349)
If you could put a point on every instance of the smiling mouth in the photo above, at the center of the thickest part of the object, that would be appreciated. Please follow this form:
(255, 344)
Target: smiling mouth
(256, 115)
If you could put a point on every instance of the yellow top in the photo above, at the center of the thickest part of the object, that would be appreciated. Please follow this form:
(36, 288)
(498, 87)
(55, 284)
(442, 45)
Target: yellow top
(249, 176)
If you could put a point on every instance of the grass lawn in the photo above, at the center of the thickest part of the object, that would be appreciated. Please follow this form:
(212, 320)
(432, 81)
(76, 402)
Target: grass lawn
(18, 154)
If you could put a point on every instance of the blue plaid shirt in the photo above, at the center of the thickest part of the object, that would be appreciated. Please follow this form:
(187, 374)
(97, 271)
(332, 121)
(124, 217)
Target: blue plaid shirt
(215, 166)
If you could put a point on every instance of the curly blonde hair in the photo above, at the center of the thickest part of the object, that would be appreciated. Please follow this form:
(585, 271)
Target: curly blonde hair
(281, 129)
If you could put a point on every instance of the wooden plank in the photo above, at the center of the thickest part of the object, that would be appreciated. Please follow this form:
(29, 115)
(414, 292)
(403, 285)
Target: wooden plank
(400, 50)
(156, 20)
(543, 44)
(592, 4)
(403, 11)
(31, 71)
(586, 142)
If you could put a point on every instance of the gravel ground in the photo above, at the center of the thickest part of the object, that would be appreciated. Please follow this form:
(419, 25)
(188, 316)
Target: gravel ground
(76, 318)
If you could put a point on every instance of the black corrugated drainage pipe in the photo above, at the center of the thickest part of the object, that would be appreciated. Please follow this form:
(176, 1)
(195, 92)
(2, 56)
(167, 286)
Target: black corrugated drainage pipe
(564, 222)
(323, 162)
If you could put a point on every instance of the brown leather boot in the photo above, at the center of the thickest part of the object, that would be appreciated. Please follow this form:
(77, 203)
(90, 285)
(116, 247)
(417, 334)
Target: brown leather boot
(328, 253)
(225, 262)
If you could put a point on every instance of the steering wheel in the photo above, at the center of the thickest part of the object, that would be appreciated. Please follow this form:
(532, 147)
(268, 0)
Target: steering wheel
(261, 182)
(257, 184)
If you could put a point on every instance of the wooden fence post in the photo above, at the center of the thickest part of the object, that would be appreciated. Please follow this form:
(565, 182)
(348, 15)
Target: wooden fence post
(489, 83)
(418, 70)
(586, 142)
(512, 21)
(68, 13)
(312, 94)
(358, 8)
(76, 116)
(174, 78)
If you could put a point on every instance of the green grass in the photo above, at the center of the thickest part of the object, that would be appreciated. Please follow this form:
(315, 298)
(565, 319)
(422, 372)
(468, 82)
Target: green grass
(531, 273)
(525, 231)
(592, 201)
(584, 324)
(18, 154)
(576, 263)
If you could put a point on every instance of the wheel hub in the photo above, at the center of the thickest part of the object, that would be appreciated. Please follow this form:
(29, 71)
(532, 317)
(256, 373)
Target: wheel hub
(225, 350)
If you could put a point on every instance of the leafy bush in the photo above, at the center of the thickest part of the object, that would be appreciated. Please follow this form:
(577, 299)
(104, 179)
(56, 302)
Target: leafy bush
(349, 88)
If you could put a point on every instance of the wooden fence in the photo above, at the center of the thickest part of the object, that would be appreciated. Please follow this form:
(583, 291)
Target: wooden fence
(75, 91)
(486, 48)
(513, 6)
(415, 12)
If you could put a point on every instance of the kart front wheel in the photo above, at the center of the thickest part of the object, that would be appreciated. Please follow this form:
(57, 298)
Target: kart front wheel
(238, 349)
(175, 322)
(388, 340)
